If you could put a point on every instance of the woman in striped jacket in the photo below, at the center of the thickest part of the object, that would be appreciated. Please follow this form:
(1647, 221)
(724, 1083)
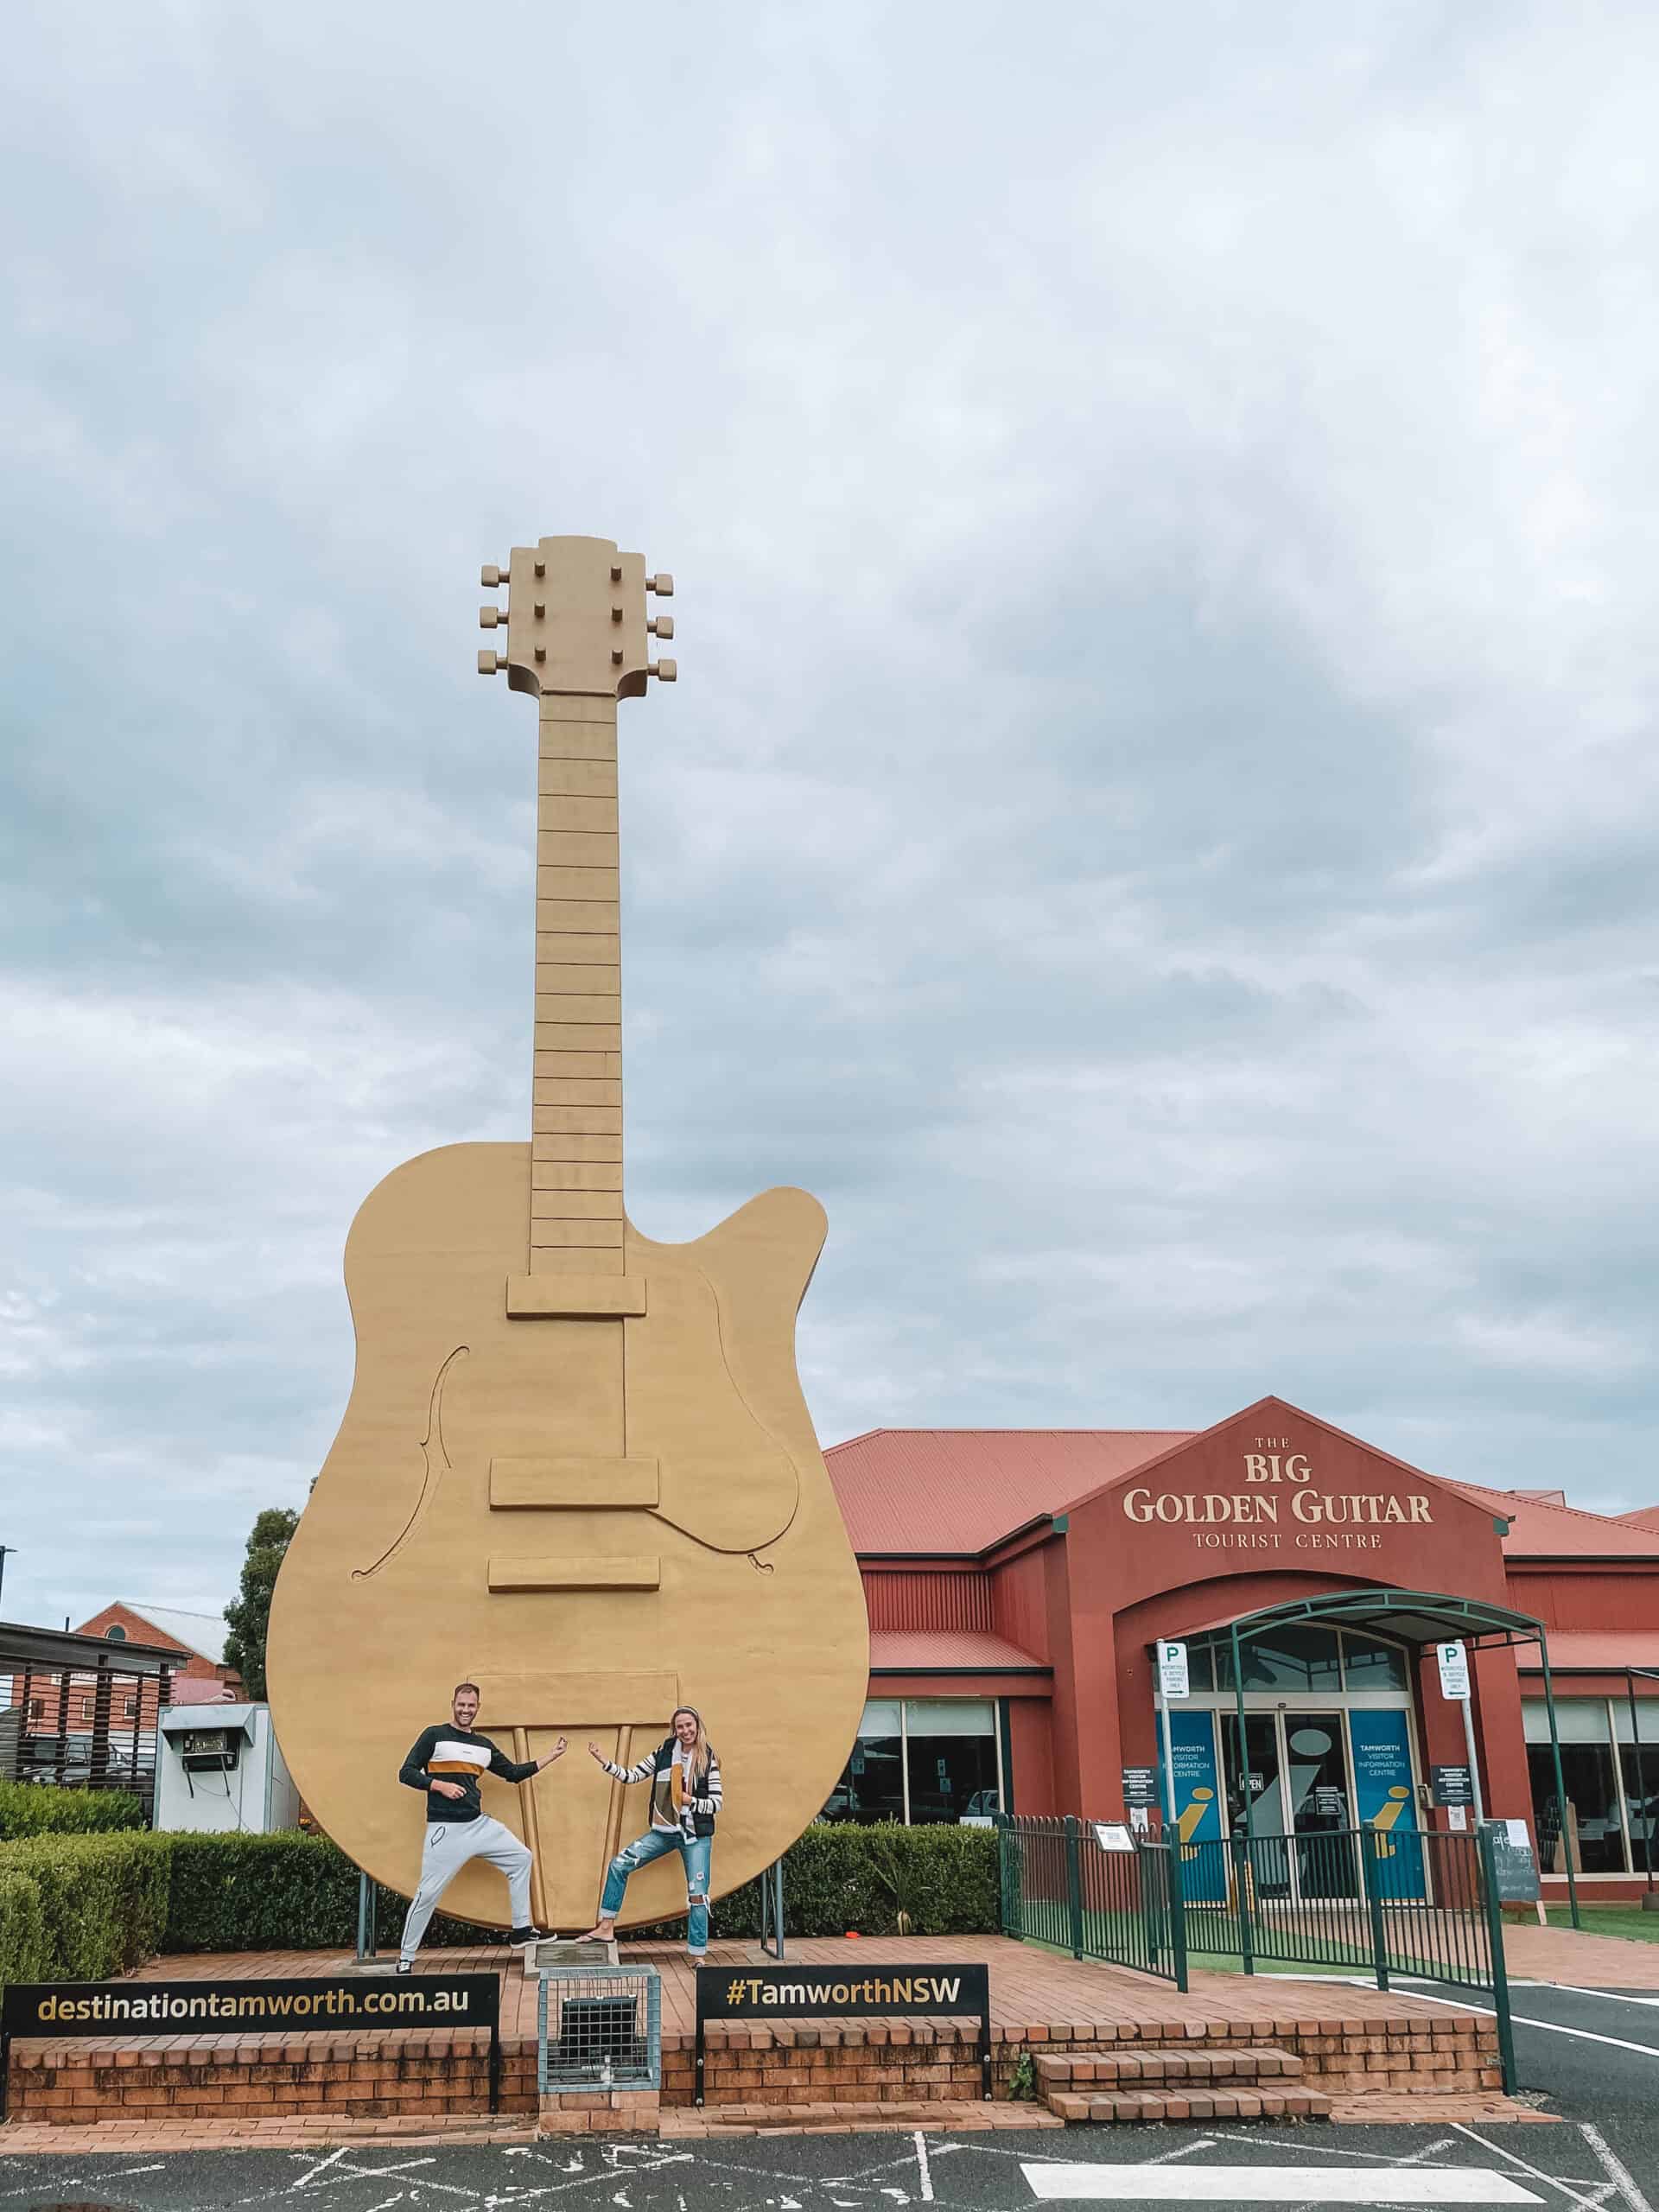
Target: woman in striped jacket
(684, 1799)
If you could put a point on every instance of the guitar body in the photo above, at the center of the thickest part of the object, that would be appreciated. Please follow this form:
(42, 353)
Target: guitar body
(594, 1519)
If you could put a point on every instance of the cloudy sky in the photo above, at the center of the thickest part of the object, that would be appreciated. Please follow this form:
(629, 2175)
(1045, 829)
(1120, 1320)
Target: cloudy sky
(1155, 825)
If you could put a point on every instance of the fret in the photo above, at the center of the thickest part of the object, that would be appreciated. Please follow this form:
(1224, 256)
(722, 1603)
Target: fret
(575, 1212)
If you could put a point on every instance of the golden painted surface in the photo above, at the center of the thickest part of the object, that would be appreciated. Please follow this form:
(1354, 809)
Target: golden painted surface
(384, 1601)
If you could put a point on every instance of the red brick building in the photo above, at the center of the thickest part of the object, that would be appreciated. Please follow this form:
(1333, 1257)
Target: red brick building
(200, 1678)
(1016, 1580)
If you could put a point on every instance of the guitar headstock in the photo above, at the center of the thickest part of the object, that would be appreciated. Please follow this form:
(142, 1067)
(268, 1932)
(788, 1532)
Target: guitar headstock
(576, 619)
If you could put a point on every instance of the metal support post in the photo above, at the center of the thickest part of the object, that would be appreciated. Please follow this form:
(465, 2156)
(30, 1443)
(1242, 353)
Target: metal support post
(367, 1932)
(1495, 1943)
(1074, 1880)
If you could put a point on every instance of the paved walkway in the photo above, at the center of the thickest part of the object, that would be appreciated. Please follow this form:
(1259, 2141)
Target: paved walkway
(1563, 1953)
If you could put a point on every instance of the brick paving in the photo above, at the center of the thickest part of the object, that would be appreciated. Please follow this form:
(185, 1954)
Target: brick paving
(1572, 1955)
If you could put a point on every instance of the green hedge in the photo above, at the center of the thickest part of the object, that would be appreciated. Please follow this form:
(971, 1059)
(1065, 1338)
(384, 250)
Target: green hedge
(287, 1892)
(82, 1907)
(42, 1808)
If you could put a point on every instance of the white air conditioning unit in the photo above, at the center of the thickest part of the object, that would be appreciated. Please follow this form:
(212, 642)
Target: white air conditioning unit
(218, 1770)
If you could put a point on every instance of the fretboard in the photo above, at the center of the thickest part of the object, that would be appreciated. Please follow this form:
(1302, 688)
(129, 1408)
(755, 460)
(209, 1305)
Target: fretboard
(575, 1173)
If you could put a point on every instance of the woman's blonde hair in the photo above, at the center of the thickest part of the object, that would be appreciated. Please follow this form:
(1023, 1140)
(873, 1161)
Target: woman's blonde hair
(702, 1748)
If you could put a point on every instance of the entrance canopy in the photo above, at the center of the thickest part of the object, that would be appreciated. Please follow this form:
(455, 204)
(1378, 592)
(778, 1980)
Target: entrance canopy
(1413, 1616)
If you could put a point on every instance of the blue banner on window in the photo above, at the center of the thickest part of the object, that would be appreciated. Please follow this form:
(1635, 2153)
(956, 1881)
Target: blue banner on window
(1387, 1800)
(1198, 1806)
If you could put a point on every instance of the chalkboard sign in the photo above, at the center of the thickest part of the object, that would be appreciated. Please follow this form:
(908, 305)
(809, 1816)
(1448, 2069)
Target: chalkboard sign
(1452, 1785)
(1140, 1785)
(1513, 1863)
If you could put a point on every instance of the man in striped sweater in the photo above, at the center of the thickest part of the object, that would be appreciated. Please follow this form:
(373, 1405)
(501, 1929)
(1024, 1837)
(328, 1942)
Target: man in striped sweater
(448, 1764)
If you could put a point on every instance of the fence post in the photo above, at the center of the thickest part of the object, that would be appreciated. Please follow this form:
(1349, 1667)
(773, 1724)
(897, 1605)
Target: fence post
(1495, 1945)
(1177, 1911)
(1074, 1880)
(1367, 1861)
(1003, 1826)
(1242, 1890)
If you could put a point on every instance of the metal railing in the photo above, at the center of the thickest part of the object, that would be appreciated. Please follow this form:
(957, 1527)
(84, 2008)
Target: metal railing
(1061, 1888)
(1421, 1902)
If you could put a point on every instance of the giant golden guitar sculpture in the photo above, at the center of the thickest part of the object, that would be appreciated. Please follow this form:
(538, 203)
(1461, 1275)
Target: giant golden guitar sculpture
(576, 1466)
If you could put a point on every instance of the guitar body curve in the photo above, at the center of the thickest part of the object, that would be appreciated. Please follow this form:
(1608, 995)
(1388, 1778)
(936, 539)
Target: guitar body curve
(594, 1519)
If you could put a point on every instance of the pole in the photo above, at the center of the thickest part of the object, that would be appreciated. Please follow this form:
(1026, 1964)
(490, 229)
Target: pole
(1172, 1845)
(6, 1551)
(1246, 1885)
(1487, 1859)
(1474, 1764)
(1641, 1778)
(1561, 1784)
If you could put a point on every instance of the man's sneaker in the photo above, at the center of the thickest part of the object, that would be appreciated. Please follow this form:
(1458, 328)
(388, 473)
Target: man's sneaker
(526, 1935)
(405, 1966)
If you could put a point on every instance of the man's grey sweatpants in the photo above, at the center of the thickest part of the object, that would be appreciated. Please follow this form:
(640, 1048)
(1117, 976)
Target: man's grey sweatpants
(449, 1845)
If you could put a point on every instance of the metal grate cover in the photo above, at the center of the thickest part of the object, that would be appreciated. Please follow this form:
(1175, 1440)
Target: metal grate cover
(599, 2028)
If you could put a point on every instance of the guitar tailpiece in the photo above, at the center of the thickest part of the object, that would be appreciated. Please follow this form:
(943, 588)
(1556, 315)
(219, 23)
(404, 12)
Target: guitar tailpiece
(760, 1565)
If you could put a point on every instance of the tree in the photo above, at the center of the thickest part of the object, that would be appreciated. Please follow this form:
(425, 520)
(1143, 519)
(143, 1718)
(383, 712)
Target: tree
(248, 1614)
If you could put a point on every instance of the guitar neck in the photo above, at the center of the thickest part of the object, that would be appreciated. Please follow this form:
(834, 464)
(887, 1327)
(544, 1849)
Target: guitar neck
(575, 1204)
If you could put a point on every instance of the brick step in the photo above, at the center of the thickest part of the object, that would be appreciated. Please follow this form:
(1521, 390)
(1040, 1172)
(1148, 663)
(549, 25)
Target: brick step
(1199, 2102)
(1063, 2069)
(937, 2115)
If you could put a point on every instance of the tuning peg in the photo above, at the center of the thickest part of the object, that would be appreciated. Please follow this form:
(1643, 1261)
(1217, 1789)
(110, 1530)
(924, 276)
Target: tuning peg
(661, 625)
(491, 664)
(491, 577)
(663, 585)
(666, 672)
(491, 618)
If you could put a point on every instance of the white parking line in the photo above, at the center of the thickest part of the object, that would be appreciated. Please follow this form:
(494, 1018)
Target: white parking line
(1275, 2185)
(1614, 2167)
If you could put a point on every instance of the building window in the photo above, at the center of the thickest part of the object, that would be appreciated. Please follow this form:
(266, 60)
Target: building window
(919, 1760)
(130, 1708)
(86, 1708)
(115, 1633)
(37, 1708)
(1605, 1805)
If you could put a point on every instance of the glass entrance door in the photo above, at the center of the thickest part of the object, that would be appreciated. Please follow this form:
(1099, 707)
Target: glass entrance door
(1316, 1775)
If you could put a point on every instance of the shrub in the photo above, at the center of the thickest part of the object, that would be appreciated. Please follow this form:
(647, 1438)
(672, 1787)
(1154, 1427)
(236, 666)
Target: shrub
(43, 1808)
(839, 1877)
(100, 1903)
(22, 1931)
(284, 1892)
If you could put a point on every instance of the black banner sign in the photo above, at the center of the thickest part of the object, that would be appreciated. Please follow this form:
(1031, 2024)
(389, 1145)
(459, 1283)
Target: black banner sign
(1452, 1785)
(171, 2008)
(1140, 1785)
(842, 1991)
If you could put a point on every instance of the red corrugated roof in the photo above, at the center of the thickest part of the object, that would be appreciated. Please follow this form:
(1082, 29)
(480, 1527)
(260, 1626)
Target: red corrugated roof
(1539, 1531)
(952, 1490)
(924, 1650)
(1607, 1651)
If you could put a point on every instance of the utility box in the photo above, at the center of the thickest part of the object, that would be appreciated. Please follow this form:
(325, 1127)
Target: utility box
(218, 1770)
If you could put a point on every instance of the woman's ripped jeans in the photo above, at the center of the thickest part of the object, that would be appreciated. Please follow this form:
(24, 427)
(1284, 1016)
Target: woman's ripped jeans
(697, 1851)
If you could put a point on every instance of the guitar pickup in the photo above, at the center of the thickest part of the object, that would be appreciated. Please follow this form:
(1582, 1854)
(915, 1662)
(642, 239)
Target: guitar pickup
(574, 1296)
(639, 1573)
(549, 1485)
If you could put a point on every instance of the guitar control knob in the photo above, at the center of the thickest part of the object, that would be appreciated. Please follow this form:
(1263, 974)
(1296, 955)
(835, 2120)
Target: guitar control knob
(489, 663)
(661, 625)
(491, 618)
(491, 577)
(662, 585)
(666, 672)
